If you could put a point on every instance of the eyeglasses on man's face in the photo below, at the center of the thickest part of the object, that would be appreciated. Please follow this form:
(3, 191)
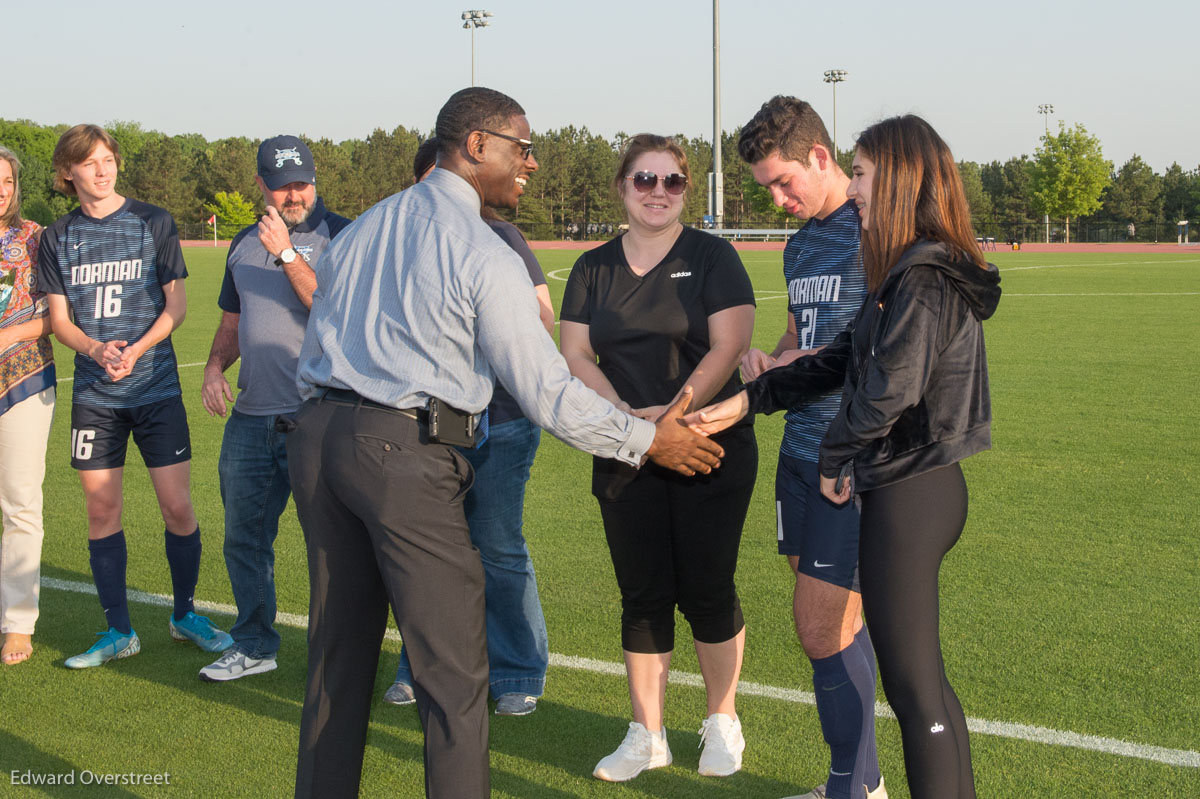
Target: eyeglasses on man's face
(525, 144)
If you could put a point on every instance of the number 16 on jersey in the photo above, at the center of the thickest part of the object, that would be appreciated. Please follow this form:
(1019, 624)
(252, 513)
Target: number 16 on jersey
(108, 301)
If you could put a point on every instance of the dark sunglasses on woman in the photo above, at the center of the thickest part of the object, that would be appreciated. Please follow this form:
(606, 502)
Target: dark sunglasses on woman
(673, 183)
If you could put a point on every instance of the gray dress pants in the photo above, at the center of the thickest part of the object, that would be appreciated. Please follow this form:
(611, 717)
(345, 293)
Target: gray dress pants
(382, 513)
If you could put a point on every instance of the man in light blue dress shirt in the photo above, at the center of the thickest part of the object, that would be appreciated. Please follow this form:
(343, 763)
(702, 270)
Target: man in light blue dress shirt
(419, 300)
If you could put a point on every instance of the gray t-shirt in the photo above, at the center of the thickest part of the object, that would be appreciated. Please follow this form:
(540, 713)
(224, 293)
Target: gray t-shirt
(272, 321)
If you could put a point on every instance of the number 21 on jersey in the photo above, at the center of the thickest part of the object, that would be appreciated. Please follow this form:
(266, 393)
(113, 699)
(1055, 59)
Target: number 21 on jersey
(806, 331)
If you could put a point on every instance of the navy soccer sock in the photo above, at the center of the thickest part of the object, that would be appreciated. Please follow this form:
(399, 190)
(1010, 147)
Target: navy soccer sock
(183, 556)
(845, 688)
(107, 557)
(840, 711)
(862, 672)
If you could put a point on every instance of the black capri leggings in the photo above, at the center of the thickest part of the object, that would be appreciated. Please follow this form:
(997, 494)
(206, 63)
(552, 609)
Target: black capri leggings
(674, 540)
(906, 530)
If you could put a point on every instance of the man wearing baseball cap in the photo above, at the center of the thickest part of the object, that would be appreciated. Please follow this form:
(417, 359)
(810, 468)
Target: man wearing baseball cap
(264, 301)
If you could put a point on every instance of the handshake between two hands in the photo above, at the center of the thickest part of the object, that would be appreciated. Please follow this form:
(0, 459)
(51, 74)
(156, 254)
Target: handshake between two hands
(687, 449)
(681, 439)
(722, 415)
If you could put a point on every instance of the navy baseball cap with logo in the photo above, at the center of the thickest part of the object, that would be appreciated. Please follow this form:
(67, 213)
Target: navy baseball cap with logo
(283, 160)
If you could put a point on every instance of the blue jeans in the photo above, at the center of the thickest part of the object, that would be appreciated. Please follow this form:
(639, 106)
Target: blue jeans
(517, 647)
(255, 489)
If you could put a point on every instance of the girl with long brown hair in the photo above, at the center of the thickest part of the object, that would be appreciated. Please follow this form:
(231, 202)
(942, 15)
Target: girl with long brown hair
(915, 402)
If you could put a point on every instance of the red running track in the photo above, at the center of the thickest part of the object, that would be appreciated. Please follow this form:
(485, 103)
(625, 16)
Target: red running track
(1161, 249)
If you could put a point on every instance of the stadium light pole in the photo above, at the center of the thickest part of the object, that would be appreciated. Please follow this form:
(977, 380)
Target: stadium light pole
(473, 20)
(835, 76)
(1046, 109)
(716, 187)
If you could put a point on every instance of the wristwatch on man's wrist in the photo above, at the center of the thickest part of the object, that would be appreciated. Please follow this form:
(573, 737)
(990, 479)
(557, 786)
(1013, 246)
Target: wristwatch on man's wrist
(286, 257)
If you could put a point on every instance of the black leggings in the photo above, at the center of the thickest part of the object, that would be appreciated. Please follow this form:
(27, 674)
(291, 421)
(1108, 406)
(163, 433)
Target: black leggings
(907, 528)
(674, 541)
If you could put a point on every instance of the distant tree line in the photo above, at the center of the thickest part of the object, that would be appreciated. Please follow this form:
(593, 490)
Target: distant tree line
(572, 193)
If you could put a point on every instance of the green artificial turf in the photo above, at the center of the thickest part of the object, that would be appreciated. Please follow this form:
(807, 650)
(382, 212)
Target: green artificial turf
(1070, 605)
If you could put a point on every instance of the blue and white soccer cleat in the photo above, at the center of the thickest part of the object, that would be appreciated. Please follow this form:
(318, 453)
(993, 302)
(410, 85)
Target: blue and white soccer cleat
(112, 645)
(201, 632)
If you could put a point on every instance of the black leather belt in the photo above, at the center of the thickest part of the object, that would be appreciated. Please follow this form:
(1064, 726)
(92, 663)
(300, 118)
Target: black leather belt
(344, 396)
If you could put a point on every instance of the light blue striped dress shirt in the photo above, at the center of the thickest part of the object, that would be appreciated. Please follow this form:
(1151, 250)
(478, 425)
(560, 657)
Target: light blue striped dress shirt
(419, 298)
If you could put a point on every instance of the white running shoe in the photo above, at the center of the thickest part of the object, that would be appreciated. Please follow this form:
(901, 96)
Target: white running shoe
(880, 792)
(640, 750)
(234, 665)
(721, 737)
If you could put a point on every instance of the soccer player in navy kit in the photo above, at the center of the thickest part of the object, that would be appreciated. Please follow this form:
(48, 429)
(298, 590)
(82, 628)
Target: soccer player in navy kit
(790, 154)
(113, 273)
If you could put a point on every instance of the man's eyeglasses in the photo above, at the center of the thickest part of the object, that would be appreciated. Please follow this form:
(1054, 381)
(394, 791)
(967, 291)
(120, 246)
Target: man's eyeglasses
(526, 144)
(644, 182)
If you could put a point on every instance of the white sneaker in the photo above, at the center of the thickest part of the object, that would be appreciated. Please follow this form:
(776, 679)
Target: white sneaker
(234, 664)
(721, 737)
(880, 792)
(640, 750)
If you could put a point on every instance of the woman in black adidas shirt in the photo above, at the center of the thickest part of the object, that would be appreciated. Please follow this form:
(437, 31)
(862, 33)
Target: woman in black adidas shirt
(660, 307)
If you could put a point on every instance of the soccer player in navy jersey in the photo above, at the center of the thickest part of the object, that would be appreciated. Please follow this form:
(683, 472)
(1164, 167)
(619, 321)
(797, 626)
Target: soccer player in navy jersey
(790, 154)
(113, 273)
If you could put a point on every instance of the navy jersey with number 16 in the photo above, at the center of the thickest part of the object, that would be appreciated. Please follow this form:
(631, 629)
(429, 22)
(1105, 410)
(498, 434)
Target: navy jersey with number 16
(112, 271)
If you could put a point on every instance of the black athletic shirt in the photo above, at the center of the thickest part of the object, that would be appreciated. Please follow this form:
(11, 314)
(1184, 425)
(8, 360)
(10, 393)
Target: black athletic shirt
(650, 332)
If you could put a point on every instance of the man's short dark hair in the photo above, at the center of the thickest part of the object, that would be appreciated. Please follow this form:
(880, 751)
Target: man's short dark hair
(471, 109)
(784, 125)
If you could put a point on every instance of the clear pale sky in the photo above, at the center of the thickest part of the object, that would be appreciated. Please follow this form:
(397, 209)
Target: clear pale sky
(976, 71)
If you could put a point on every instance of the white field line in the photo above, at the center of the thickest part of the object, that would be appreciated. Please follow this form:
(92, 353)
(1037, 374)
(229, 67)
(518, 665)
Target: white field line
(562, 274)
(1108, 294)
(180, 366)
(1002, 729)
(1111, 263)
(763, 296)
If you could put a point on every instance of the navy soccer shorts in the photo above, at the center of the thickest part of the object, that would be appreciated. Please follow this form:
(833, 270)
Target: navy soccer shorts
(824, 536)
(100, 436)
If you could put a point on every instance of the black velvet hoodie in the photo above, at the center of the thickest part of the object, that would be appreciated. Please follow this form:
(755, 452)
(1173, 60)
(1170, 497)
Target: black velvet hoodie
(913, 369)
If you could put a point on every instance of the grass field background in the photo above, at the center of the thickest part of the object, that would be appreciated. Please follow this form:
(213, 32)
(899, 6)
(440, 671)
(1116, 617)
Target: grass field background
(1069, 609)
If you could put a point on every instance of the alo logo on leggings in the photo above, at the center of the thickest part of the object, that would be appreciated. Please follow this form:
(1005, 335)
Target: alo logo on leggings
(937, 727)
